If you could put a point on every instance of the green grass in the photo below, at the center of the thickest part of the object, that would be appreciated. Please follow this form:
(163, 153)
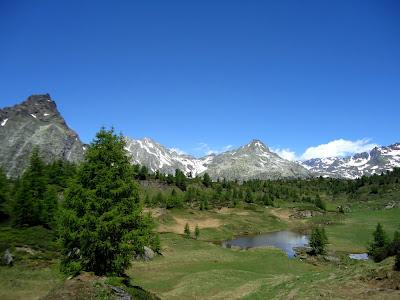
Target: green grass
(22, 281)
(199, 269)
(202, 269)
(355, 232)
(37, 238)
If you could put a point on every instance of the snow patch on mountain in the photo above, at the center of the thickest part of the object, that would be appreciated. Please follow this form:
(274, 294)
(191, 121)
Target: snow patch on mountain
(376, 161)
(253, 160)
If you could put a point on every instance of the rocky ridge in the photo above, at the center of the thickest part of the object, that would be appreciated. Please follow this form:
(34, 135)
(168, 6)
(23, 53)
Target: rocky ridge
(35, 122)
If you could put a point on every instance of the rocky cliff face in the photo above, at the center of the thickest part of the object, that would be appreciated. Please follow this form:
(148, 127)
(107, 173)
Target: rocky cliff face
(35, 122)
(378, 160)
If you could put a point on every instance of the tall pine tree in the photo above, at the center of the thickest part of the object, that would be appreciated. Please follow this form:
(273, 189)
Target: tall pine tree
(101, 222)
(378, 249)
(28, 205)
(4, 195)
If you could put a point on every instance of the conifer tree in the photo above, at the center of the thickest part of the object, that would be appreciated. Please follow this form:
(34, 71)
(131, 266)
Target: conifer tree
(180, 179)
(4, 195)
(206, 180)
(143, 173)
(28, 206)
(101, 221)
(197, 232)
(318, 241)
(378, 249)
(159, 200)
(319, 203)
(397, 262)
(186, 231)
(50, 206)
(395, 245)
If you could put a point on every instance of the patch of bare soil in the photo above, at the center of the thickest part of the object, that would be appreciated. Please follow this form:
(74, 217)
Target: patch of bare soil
(180, 223)
(155, 212)
(230, 211)
(282, 213)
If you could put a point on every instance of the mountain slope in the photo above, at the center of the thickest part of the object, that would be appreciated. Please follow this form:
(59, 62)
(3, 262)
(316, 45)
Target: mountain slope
(378, 160)
(157, 157)
(253, 160)
(35, 122)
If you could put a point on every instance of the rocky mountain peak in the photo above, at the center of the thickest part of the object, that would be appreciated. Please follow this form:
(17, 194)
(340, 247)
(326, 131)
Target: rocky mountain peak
(35, 122)
(256, 144)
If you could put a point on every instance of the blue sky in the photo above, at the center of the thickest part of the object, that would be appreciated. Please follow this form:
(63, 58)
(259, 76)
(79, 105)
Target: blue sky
(205, 75)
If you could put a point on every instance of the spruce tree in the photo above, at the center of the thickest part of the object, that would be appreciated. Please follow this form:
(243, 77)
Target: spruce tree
(395, 244)
(101, 221)
(4, 195)
(197, 232)
(180, 179)
(28, 205)
(186, 231)
(318, 241)
(319, 203)
(50, 206)
(397, 262)
(206, 180)
(378, 249)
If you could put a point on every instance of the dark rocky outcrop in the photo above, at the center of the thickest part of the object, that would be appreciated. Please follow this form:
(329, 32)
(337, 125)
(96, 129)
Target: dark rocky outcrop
(35, 122)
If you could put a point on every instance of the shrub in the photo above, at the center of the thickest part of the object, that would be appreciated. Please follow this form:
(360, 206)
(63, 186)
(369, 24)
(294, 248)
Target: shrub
(318, 241)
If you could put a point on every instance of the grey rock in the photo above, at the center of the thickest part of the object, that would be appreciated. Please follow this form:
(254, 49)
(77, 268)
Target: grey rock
(332, 259)
(120, 293)
(305, 214)
(378, 160)
(148, 254)
(35, 122)
(8, 257)
(390, 205)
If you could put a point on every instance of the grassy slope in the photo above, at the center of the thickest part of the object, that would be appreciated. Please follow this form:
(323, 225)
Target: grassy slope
(203, 270)
(355, 233)
(32, 275)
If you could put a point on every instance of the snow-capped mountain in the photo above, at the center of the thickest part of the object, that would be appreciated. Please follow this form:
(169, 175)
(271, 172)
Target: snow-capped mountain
(157, 157)
(253, 160)
(378, 160)
(37, 122)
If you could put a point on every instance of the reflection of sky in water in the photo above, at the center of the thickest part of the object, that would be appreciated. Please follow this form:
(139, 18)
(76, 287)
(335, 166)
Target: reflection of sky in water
(359, 256)
(284, 240)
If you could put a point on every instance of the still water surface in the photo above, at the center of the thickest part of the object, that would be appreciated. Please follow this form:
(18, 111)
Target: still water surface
(284, 240)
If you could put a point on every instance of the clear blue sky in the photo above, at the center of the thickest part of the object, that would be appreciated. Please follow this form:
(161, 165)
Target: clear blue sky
(291, 73)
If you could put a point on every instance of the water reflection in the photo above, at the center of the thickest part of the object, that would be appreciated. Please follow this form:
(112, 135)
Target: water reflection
(284, 240)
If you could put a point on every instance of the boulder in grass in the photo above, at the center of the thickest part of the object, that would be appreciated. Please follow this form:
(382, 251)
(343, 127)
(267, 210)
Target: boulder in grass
(148, 254)
(8, 258)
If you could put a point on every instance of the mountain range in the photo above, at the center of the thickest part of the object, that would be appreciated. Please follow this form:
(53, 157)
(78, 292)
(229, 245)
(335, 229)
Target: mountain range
(37, 122)
(376, 161)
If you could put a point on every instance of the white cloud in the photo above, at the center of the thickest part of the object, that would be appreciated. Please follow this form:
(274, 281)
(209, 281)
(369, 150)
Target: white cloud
(285, 153)
(179, 151)
(339, 147)
(205, 149)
